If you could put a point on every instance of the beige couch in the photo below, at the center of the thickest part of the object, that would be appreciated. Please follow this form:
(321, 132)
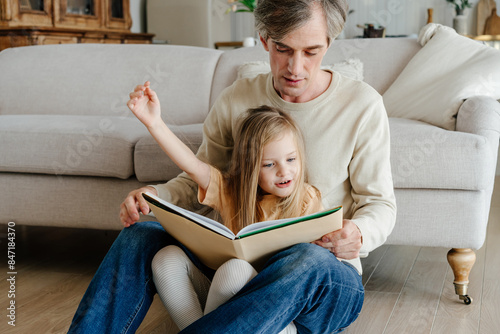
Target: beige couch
(71, 150)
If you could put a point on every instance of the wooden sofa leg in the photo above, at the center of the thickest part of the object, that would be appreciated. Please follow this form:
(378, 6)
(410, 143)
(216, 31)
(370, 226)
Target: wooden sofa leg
(461, 261)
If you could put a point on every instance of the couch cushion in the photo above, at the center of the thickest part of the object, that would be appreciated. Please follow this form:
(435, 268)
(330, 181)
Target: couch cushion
(448, 70)
(69, 145)
(95, 79)
(427, 157)
(383, 58)
(152, 164)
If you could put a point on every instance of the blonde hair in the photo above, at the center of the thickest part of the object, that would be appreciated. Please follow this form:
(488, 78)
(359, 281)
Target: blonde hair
(259, 127)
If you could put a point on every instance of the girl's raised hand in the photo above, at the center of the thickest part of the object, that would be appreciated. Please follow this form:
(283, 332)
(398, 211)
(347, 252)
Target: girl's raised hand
(145, 105)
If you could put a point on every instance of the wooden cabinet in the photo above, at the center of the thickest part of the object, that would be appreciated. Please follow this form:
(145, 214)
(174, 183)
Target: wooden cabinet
(37, 22)
(86, 14)
(118, 14)
(15, 13)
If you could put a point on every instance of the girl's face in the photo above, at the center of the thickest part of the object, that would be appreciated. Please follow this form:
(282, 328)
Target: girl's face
(280, 166)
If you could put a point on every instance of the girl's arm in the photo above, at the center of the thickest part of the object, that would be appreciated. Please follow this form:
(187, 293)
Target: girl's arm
(145, 105)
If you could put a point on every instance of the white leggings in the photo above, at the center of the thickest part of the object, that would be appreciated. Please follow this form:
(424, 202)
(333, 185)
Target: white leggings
(188, 294)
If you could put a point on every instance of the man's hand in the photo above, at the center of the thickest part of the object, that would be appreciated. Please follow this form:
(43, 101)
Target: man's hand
(133, 204)
(344, 243)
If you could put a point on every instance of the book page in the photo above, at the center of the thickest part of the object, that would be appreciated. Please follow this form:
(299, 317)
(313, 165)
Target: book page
(194, 217)
(271, 224)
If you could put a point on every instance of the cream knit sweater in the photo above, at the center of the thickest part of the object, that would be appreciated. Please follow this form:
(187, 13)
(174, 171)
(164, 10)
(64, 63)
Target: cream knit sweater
(347, 148)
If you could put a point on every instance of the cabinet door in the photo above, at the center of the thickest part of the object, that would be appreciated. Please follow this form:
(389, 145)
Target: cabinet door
(78, 14)
(15, 13)
(118, 14)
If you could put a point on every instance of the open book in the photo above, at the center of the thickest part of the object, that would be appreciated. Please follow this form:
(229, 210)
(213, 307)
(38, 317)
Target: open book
(213, 243)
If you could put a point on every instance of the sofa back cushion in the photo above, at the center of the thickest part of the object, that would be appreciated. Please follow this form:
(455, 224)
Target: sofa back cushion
(95, 79)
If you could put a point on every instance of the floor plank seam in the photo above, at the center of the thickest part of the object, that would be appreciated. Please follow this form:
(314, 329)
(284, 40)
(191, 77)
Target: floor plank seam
(402, 289)
(483, 270)
(376, 266)
(436, 311)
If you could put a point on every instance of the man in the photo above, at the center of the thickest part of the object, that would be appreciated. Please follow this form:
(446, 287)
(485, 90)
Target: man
(347, 142)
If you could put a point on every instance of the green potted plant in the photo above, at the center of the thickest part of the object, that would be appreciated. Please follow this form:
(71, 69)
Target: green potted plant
(460, 20)
(460, 5)
(242, 6)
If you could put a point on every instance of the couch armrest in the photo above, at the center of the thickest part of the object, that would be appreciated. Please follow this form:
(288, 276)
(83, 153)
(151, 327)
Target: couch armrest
(480, 115)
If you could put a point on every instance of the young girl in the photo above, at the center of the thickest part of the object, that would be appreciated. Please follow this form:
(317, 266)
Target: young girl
(265, 181)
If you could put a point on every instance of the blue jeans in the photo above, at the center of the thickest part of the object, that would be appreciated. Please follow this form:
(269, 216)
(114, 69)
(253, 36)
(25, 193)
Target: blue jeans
(304, 283)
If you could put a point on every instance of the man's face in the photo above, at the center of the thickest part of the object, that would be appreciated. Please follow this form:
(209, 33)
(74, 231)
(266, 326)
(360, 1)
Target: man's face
(295, 61)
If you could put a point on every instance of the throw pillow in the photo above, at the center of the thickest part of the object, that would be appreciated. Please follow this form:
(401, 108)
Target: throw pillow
(352, 68)
(447, 70)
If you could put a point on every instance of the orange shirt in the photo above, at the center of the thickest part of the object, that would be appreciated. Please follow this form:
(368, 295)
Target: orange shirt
(216, 197)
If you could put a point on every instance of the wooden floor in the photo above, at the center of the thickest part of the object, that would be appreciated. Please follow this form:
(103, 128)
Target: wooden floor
(408, 289)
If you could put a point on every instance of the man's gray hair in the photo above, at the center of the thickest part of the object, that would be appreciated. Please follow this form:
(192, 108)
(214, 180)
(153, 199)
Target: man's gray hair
(275, 19)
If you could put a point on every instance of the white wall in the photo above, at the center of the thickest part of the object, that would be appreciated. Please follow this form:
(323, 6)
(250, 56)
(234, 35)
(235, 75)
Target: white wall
(405, 17)
(398, 16)
(138, 14)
